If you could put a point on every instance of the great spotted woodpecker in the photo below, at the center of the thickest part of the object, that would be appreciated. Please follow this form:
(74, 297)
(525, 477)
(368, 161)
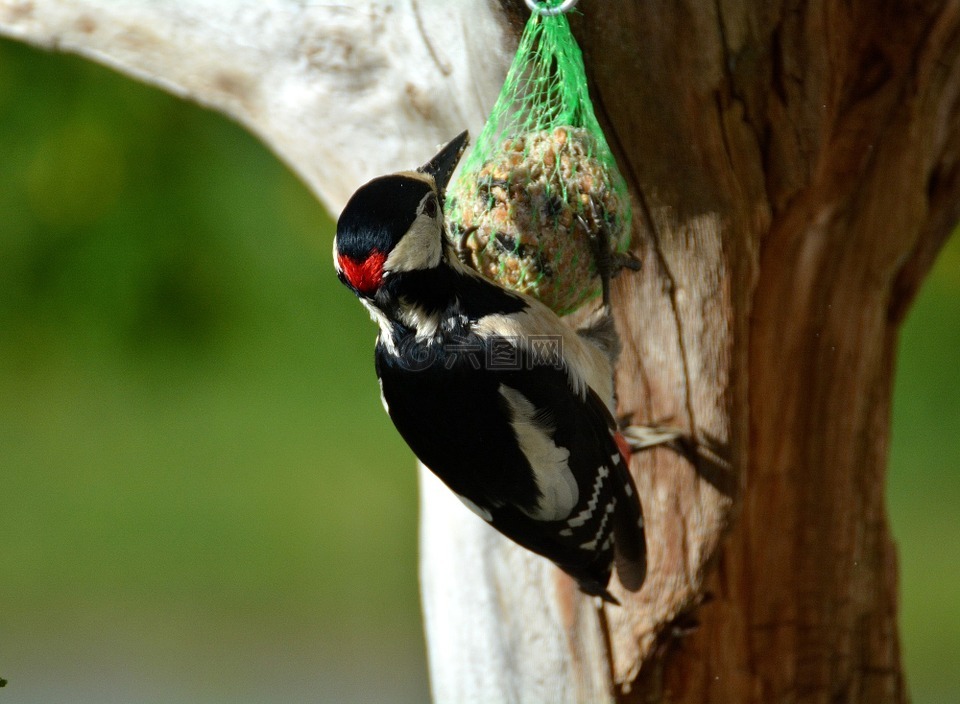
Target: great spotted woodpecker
(506, 403)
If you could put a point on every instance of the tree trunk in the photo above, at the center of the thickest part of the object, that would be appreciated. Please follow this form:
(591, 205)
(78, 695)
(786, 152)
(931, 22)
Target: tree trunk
(794, 168)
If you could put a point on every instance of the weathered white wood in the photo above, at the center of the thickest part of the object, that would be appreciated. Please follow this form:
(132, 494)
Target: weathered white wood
(343, 92)
(525, 634)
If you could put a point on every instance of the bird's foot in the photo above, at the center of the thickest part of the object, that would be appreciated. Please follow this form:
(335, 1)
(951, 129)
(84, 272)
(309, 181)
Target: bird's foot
(643, 437)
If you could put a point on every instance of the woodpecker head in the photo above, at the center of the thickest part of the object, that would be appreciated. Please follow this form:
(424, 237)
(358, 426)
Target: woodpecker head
(394, 223)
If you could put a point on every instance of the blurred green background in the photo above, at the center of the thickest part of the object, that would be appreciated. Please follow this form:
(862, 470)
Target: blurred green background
(202, 500)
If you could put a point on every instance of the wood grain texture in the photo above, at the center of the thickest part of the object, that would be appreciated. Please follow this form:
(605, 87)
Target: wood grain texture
(795, 168)
(798, 166)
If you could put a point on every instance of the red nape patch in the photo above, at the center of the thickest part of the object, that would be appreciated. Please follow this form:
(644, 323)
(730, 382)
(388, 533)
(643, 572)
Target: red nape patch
(364, 276)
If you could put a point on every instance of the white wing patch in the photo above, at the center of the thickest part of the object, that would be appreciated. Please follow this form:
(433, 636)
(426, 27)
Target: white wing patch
(551, 469)
(586, 365)
(419, 248)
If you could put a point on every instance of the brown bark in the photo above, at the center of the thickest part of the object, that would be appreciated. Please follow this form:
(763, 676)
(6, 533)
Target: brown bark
(795, 165)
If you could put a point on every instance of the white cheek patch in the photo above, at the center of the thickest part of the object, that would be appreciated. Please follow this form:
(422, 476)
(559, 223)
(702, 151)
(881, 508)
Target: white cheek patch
(419, 248)
(550, 463)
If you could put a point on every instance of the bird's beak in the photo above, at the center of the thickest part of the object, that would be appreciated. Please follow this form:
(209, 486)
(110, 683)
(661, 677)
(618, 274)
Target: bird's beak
(442, 165)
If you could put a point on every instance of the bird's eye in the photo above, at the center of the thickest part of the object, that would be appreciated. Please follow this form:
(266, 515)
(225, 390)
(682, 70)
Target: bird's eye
(430, 206)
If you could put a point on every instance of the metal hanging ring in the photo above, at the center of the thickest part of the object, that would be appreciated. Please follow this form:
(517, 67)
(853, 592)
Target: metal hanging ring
(565, 6)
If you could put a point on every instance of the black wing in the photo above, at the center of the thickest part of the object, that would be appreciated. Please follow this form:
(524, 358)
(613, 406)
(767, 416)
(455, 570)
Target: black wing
(454, 414)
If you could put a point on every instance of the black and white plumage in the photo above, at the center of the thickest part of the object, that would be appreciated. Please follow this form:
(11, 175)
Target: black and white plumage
(501, 399)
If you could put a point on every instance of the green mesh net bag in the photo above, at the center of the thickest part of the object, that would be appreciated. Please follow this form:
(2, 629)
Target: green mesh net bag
(540, 196)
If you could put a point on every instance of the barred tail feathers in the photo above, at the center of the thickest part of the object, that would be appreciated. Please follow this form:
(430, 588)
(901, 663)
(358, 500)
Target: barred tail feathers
(630, 548)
